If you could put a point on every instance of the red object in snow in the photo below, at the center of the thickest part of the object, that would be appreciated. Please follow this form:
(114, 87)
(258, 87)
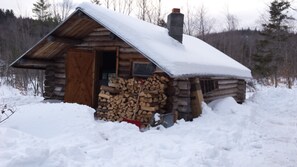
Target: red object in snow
(137, 123)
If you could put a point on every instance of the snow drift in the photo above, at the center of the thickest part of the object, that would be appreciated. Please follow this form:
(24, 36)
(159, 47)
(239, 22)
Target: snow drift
(260, 132)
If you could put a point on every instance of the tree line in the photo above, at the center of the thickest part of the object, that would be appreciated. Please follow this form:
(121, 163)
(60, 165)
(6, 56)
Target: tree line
(16, 36)
(269, 52)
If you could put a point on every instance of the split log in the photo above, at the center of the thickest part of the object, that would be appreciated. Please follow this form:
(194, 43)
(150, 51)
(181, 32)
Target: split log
(106, 96)
(109, 89)
(152, 109)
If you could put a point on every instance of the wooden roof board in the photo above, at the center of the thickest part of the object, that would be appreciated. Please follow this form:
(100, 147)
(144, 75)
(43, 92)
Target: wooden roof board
(48, 50)
(70, 30)
(76, 26)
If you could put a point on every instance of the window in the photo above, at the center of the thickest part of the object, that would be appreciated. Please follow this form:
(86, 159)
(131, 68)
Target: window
(208, 85)
(143, 69)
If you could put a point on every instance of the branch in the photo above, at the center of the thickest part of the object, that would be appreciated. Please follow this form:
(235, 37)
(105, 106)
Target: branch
(4, 110)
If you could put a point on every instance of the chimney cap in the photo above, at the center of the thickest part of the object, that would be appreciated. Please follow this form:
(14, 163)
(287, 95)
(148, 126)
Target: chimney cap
(176, 10)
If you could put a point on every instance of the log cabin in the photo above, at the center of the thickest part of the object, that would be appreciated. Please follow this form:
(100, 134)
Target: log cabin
(130, 69)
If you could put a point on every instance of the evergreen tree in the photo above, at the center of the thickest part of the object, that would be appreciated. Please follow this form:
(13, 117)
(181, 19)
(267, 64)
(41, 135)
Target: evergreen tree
(2, 15)
(262, 60)
(275, 33)
(41, 10)
(9, 13)
(6, 14)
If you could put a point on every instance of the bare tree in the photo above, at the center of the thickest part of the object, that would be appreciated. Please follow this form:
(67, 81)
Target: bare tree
(191, 20)
(205, 24)
(66, 7)
(197, 22)
(232, 22)
(107, 3)
(60, 10)
(149, 11)
(142, 9)
(128, 7)
(122, 6)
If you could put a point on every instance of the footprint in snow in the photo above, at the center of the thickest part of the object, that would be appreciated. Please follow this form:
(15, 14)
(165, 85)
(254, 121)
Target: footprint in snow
(256, 146)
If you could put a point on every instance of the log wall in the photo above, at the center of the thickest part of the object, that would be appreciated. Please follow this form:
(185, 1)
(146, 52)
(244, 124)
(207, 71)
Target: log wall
(241, 94)
(102, 39)
(179, 90)
(179, 100)
(126, 59)
(55, 79)
(227, 88)
(180, 93)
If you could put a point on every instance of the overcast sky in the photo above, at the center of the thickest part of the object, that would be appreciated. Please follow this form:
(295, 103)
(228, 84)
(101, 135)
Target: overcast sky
(247, 11)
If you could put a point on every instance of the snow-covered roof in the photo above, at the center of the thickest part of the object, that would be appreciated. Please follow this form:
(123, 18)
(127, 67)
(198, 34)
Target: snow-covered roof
(193, 57)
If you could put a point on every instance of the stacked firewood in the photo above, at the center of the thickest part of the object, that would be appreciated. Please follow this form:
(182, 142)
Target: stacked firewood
(132, 99)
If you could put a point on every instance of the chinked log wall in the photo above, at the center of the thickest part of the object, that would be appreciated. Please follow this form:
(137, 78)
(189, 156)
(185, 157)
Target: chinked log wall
(102, 39)
(179, 101)
(179, 92)
(55, 79)
(227, 88)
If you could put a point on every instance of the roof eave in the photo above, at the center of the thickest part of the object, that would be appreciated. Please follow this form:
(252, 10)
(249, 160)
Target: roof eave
(39, 42)
(210, 76)
(36, 67)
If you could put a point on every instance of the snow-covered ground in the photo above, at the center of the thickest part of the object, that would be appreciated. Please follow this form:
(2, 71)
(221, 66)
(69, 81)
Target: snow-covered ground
(260, 132)
(14, 97)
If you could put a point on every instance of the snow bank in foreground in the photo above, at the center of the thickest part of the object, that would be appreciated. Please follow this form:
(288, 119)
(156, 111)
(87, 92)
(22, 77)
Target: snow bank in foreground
(13, 97)
(8, 91)
(261, 132)
(47, 120)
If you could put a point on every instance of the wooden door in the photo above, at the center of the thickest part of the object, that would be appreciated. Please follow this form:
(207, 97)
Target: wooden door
(80, 77)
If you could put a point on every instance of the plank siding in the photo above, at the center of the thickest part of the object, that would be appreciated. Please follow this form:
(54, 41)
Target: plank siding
(80, 77)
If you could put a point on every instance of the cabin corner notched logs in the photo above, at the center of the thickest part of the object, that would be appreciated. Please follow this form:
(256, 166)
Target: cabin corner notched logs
(55, 80)
(180, 99)
(132, 99)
